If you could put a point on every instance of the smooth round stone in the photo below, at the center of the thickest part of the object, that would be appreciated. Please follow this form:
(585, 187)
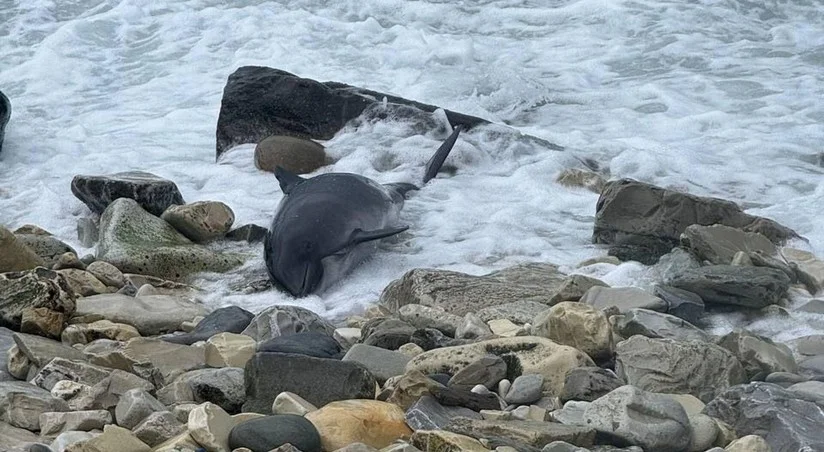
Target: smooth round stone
(318, 345)
(525, 389)
(297, 155)
(270, 432)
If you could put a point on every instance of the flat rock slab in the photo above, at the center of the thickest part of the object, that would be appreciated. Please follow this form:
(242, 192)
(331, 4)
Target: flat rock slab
(785, 419)
(153, 193)
(21, 404)
(135, 241)
(629, 211)
(40, 350)
(752, 287)
(428, 414)
(460, 293)
(383, 364)
(718, 243)
(657, 325)
(532, 433)
(150, 314)
(317, 380)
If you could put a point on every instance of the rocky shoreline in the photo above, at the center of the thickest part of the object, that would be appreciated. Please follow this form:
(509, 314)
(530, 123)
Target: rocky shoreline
(114, 352)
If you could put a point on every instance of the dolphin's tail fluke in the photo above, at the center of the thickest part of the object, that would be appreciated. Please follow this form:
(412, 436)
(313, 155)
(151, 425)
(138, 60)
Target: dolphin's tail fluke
(435, 163)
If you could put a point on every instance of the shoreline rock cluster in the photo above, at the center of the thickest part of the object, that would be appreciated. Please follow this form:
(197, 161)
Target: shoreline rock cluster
(113, 352)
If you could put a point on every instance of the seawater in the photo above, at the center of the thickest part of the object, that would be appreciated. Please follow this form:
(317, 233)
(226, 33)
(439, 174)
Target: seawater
(714, 97)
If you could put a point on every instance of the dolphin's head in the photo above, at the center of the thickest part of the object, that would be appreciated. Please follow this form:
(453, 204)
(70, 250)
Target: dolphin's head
(295, 264)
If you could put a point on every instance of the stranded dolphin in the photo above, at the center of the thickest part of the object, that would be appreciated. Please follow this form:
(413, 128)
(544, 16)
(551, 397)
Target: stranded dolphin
(327, 225)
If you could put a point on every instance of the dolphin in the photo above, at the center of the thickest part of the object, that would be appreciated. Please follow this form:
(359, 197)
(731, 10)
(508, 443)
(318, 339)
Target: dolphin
(327, 225)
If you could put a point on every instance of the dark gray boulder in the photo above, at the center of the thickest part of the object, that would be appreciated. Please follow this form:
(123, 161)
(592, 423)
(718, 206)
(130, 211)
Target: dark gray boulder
(309, 343)
(632, 215)
(428, 414)
(259, 102)
(589, 383)
(787, 420)
(680, 303)
(317, 380)
(153, 193)
(270, 432)
(5, 115)
(386, 333)
(751, 287)
(231, 319)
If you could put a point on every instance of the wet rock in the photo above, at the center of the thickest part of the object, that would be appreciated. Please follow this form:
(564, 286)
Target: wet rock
(809, 269)
(231, 319)
(665, 365)
(759, 355)
(309, 343)
(259, 102)
(296, 155)
(277, 321)
(718, 244)
(152, 193)
(526, 354)
(229, 350)
(786, 420)
(134, 406)
(752, 287)
(150, 314)
(21, 404)
(56, 423)
(15, 255)
(136, 242)
(577, 325)
(158, 427)
(657, 325)
(629, 210)
(624, 298)
(200, 221)
(318, 380)
(651, 421)
(428, 414)
(680, 303)
(530, 433)
(383, 364)
(574, 177)
(459, 293)
(32, 289)
(589, 383)
(250, 233)
(371, 422)
(487, 371)
(269, 432)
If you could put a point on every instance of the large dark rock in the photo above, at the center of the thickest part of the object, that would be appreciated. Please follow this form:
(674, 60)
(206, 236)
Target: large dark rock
(428, 414)
(279, 320)
(270, 432)
(309, 343)
(632, 214)
(589, 383)
(317, 380)
(231, 319)
(752, 287)
(387, 333)
(152, 192)
(5, 115)
(32, 289)
(788, 420)
(259, 102)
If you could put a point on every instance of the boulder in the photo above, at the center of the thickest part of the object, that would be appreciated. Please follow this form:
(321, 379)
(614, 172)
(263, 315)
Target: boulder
(289, 403)
(230, 319)
(153, 193)
(421, 316)
(371, 422)
(59, 369)
(527, 354)
(15, 255)
(787, 420)
(158, 427)
(808, 268)
(309, 343)
(577, 325)
(107, 273)
(33, 289)
(259, 102)
(297, 155)
(657, 325)
(632, 212)
(150, 314)
(383, 364)
(152, 359)
(428, 414)
(83, 283)
(652, 421)
(229, 350)
(11, 436)
(681, 367)
(135, 241)
(751, 287)
(269, 432)
(114, 438)
(680, 303)
(459, 293)
(134, 406)
(45, 245)
(223, 387)
(317, 380)
(21, 404)
(623, 298)
(6, 345)
(200, 221)
(759, 355)
(718, 244)
(589, 383)
(279, 320)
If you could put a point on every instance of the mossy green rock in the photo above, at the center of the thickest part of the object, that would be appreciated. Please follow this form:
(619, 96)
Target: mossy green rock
(135, 241)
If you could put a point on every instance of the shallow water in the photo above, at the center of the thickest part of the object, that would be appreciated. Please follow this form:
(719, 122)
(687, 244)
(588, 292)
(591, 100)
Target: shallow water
(719, 98)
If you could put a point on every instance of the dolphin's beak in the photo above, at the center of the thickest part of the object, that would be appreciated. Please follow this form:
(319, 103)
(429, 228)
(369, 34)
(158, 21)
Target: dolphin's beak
(302, 282)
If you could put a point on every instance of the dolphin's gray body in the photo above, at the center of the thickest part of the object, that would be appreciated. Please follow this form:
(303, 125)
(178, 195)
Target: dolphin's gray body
(327, 225)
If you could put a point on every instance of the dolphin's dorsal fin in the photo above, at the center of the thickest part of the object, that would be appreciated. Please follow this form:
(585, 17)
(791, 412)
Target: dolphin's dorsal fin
(434, 164)
(287, 179)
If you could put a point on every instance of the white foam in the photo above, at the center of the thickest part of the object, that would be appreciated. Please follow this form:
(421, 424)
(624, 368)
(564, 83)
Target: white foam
(718, 98)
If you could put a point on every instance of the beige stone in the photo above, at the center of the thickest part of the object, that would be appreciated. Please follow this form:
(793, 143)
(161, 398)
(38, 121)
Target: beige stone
(84, 333)
(200, 221)
(371, 422)
(180, 443)
(704, 431)
(408, 388)
(411, 349)
(692, 405)
(577, 325)
(209, 426)
(505, 328)
(229, 350)
(107, 273)
(83, 283)
(749, 443)
(54, 423)
(42, 322)
(726, 434)
(535, 355)
(15, 255)
(113, 439)
(574, 177)
(297, 155)
(18, 363)
(291, 403)
(809, 267)
(443, 441)
(347, 337)
(140, 355)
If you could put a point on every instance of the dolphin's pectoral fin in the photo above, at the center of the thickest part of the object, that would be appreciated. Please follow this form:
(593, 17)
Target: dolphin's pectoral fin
(434, 164)
(360, 236)
(288, 180)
